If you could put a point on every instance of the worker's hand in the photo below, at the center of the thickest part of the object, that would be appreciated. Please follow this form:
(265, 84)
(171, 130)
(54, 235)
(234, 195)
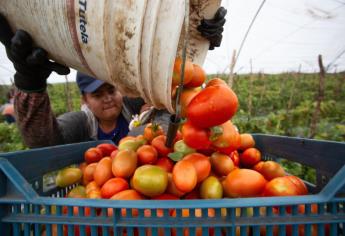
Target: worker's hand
(31, 63)
(212, 29)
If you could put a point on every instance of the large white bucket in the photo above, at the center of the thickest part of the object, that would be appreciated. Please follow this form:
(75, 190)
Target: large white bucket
(129, 43)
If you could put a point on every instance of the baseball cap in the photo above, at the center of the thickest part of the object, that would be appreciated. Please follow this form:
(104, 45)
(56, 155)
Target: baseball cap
(88, 84)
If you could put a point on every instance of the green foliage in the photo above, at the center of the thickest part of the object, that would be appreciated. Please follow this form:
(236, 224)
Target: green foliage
(10, 139)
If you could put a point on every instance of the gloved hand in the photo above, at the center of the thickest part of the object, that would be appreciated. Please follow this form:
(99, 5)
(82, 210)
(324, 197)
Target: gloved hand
(31, 63)
(212, 29)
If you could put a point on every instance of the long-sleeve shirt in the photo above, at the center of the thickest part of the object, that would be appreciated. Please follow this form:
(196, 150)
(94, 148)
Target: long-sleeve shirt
(39, 126)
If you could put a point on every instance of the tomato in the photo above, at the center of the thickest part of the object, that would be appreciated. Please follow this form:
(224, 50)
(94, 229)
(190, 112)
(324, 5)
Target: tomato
(124, 164)
(188, 72)
(195, 137)
(147, 155)
(159, 144)
(243, 183)
(235, 157)
(106, 148)
(186, 96)
(150, 180)
(285, 186)
(270, 169)
(68, 176)
(201, 164)
(77, 192)
(172, 189)
(225, 136)
(152, 130)
(222, 164)
(93, 154)
(216, 81)
(184, 175)
(211, 188)
(247, 141)
(88, 173)
(212, 106)
(113, 186)
(103, 171)
(250, 157)
(199, 77)
(166, 163)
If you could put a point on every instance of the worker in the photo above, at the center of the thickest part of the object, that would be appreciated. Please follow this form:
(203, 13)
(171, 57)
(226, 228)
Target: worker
(105, 113)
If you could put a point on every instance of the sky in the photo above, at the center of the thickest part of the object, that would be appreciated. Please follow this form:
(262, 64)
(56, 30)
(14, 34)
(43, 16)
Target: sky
(285, 36)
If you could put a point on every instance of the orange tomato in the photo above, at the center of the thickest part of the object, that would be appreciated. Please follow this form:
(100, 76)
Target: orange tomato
(91, 186)
(243, 183)
(152, 130)
(285, 186)
(172, 189)
(124, 164)
(159, 144)
(184, 176)
(103, 171)
(128, 194)
(93, 155)
(235, 157)
(247, 141)
(186, 96)
(250, 157)
(199, 77)
(113, 186)
(166, 163)
(201, 164)
(188, 72)
(216, 81)
(88, 173)
(147, 155)
(270, 169)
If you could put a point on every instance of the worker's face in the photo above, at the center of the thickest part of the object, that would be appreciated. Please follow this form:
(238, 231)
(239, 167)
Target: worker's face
(105, 103)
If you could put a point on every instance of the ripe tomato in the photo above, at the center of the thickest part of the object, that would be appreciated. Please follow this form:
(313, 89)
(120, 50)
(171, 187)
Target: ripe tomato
(201, 164)
(250, 157)
(184, 176)
(222, 164)
(186, 96)
(188, 72)
(124, 164)
(102, 171)
(247, 141)
(212, 106)
(93, 154)
(235, 157)
(216, 81)
(199, 77)
(166, 163)
(270, 169)
(152, 130)
(195, 137)
(113, 186)
(147, 155)
(225, 136)
(243, 183)
(285, 186)
(159, 144)
(107, 148)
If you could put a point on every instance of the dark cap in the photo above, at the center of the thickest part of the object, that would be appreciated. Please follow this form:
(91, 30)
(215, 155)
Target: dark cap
(88, 84)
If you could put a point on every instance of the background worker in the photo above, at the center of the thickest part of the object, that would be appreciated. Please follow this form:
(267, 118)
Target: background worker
(105, 113)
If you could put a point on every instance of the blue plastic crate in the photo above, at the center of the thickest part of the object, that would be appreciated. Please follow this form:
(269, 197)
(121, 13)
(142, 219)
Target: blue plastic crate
(23, 196)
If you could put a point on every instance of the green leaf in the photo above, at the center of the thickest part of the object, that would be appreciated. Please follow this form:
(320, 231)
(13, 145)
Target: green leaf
(175, 156)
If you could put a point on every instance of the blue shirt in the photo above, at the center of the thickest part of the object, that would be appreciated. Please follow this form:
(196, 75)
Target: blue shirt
(121, 130)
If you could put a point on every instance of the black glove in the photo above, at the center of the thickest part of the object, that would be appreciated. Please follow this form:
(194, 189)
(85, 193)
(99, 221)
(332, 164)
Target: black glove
(31, 63)
(212, 29)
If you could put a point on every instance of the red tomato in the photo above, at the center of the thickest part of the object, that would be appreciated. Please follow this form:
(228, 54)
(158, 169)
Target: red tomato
(159, 144)
(107, 148)
(212, 106)
(225, 136)
(166, 163)
(93, 154)
(147, 154)
(195, 137)
(250, 157)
